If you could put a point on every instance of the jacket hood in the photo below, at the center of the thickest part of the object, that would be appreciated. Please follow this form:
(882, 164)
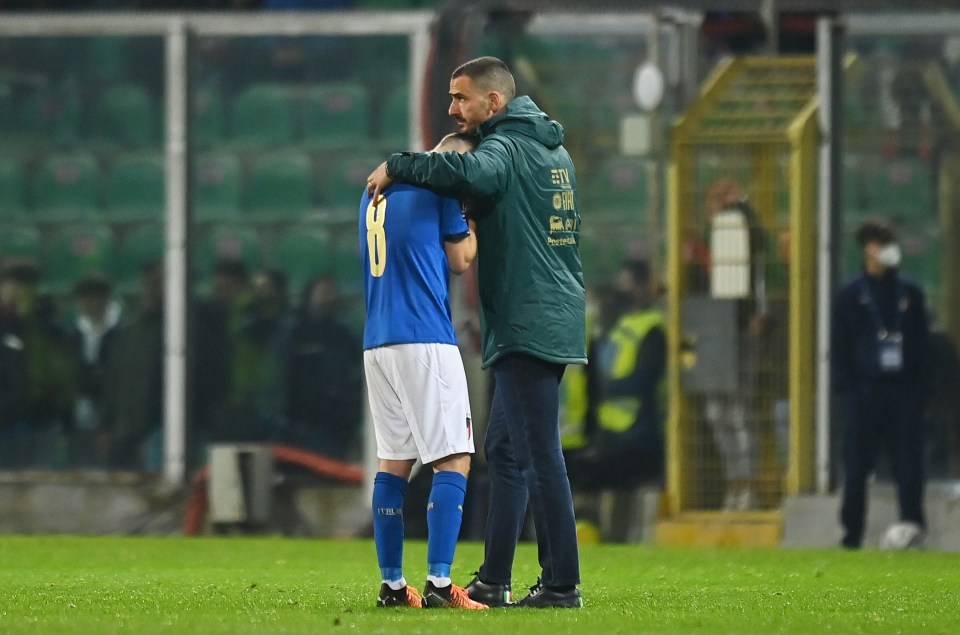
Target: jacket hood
(522, 116)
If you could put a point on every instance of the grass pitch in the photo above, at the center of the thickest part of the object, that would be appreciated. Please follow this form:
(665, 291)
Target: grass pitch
(55, 584)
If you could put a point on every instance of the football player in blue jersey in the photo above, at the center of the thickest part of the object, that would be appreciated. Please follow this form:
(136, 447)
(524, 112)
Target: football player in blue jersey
(410, 240)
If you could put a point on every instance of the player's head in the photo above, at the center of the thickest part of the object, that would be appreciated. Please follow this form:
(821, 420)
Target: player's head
(92, 295)
(18, 284)
(480, 89)
(457, 142)
(230, 280)
(878, 242)
(633, 285)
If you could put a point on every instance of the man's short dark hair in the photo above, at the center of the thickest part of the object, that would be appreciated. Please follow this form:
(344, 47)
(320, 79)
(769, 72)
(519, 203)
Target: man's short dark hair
(94, 285)
(21, 271)
(489, 74)
(231, 268)
(875, 231)
(639, 270)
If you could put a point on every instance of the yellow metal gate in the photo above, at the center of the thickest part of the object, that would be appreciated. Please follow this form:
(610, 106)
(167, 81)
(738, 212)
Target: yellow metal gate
(741, 277)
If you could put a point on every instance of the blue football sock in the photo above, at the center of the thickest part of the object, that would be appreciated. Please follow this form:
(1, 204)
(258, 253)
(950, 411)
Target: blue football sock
(388, 494)
(444, 516)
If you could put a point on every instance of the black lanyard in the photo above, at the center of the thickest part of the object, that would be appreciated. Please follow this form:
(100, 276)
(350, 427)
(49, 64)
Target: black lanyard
(866, 297)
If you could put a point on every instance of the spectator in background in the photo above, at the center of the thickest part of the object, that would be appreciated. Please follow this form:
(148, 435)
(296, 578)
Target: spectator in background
(15, 434)
(260, 338)
(242, 334)
(880, 362)
(216, 321)
(31, 318)
(737, 272)
(626, 447)
(132, 419)
(324, 378)
(91, 329)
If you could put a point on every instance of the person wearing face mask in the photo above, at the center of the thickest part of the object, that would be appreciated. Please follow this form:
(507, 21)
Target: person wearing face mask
(879, 366)
(626, 447)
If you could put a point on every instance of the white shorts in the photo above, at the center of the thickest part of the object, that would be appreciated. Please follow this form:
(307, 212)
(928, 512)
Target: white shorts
(418, 398)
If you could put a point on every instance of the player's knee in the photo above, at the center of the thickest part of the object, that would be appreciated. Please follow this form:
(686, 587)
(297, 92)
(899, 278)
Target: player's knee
(459, 463)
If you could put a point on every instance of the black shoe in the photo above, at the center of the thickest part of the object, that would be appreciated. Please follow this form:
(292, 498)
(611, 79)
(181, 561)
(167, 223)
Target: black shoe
(407, 596)
(493, 595)
(542, 597)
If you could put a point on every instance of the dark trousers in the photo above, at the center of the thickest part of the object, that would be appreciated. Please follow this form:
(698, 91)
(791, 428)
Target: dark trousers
(526, 464)
(880, 416)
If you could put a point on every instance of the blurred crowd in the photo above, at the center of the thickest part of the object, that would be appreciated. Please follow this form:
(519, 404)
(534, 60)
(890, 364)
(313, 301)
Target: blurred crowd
(81, 381)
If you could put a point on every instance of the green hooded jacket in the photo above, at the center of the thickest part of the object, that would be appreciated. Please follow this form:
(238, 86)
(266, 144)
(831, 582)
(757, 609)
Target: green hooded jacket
(522, 187)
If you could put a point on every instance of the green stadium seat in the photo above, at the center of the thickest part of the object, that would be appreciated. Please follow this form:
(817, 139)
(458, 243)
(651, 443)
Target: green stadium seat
(52, 115)
(343, 182)
(126, 115)
(347, 263)
(19, 241)
(902, 189)
(207, 118)
(12, 189)
(216, 187)
(75, 251)
(138, 247)
(280, 187)
(336, 116)
(8, 111)
(107, 58)
(394, 123)
(303, 254)
(66, 187)
(618, 188)
(263, 116)
(136, 188)
(227, 242)
(922, 257)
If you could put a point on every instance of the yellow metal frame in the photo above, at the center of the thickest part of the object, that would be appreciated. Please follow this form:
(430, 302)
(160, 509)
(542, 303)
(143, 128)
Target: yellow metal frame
(799, 134)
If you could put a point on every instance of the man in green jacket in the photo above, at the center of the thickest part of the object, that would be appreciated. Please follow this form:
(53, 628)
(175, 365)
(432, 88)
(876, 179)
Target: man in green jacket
(522, 187)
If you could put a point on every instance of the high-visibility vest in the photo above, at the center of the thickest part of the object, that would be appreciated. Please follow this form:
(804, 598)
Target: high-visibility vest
(574, 402)
(618, 414)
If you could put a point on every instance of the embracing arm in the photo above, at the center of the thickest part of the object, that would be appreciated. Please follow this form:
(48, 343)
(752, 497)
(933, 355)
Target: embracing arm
(481, 174)
(462, 252)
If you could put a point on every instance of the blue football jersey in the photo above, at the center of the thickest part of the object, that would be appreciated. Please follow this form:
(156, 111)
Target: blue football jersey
(405, 273)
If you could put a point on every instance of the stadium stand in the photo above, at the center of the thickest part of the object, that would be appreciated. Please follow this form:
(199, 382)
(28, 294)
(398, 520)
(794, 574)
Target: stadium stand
(336, 116)
(66, 187)
(394, 122)
(263, 116)
(618, 188)
(135, 188)
(138, 247)
(8, 110)
(343, 181)
(12, 189)
(280, 187)
(208, 118)
(107, 59)
(227, 242)
(52, 116)
(125, 116)
(76, 250)
(902, 188)
(19, 241)
(303, 254)
(216, 187)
